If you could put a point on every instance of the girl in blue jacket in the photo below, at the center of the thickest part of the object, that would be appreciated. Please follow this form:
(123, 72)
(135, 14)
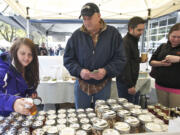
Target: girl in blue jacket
(19, 77)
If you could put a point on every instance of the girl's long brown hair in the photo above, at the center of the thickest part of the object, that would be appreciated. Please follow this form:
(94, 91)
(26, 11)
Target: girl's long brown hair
(32, 70)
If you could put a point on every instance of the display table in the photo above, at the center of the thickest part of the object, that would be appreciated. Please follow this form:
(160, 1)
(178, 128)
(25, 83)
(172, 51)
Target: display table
(63, 91)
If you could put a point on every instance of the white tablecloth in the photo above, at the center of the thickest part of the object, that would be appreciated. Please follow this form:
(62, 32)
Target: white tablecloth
(63, 91)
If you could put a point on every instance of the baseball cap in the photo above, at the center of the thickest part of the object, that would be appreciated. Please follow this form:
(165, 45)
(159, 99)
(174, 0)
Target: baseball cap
(89, 9)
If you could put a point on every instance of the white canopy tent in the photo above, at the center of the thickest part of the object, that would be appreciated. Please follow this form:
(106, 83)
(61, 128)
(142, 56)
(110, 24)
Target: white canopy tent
(110, 9)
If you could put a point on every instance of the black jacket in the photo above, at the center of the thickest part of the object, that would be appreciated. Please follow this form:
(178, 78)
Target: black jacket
(167, 76)
(108, 53)
(131, 70)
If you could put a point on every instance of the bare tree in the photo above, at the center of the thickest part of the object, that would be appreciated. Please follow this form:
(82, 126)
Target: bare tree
(7, 31)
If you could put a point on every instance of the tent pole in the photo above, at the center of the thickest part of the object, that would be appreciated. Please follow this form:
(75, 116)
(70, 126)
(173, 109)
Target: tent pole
(148, 35)
(27, 22)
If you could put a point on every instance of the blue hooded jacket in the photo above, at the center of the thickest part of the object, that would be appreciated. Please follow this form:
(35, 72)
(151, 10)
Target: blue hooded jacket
(12, 85)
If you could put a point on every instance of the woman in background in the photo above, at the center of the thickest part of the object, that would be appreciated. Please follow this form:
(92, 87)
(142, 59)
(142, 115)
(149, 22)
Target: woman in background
(19, 77)
(166, 62)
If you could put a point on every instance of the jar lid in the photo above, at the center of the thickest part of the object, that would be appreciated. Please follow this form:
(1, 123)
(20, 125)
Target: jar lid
(150, 107)
(71, 110)
(123, 113)
(158, 121)
(61, 121)
(51, 112)
(84, 120)
(109, 114)
(52, 130)
(122, 127)
(62, 115)
(100, 124)
(41, 113)
(27, 123)
(87, 127)
(128, 105)
(72, 115)
(51, 117)
(111, 101)
(62, 111)
(38, 131)
(41, 117)
(132, 121)
(80, 110)
(37, 123)
(73, 120)
(82, 115)
(144, 118)
(91, 115)
(100, 102)
(81, 132)
(136, 112)
(60, 126)
(102, 108)
(50, 122)
(75, 126)
(122, 100)
(153, 127)
(110, 132)
(68, 131)
(116, 107)
(89, 110)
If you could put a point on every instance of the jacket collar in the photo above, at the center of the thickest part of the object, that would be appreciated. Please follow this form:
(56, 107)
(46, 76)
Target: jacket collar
(103, 27)
(132, 37)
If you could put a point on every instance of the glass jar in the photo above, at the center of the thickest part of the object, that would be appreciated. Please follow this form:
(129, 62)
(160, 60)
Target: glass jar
(24, 131)
(99, 126)
(70, 115)
(121, 101)
(116, 107)
(52, 117)
(62, 116)
(151, 108)
(42, 113)
(111, 101)
(165, 110)
(84, 121)
(158, 106)
(144, 118)
(15, 124)
(37, 124)
(121, 114)
(82, 115)
(76, 126)
(53, 130)
(50, 112)
(71, 110)
(128, 105)
(30, 117)
(122, 127)
(72, 120)
(26, 123)
(110, 117)
(161, 115)
(50, 122)
(1, 119)
(164, 127)
(62, 121)
(67, 131)
(110, 132)
(87, 128)
(89, 110)
(134, 123)
(91, 115)
(45, 128)
(60, 127)
(41, 118)
(62, 111)
(99, 103)
(38, 131)
(153, 127)
(156, 111)
(158, 121)
(101, 109)
(81, 132)
(79, 111)
(32, 108)
(166, 119)
(135, 112)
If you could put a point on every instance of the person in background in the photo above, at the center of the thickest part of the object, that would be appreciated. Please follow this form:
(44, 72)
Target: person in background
(19, 77)
(43, 50)
(94, 54)
(166, 64)
(126, 82)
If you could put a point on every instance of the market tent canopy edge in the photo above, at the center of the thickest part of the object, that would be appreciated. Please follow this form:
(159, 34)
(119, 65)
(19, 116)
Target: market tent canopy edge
(110, 9)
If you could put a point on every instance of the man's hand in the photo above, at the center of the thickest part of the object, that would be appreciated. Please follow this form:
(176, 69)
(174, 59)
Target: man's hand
(132, 91)
(172, 59)
(165, 63)
(98, 75)
(19, 106)
(85, 74)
